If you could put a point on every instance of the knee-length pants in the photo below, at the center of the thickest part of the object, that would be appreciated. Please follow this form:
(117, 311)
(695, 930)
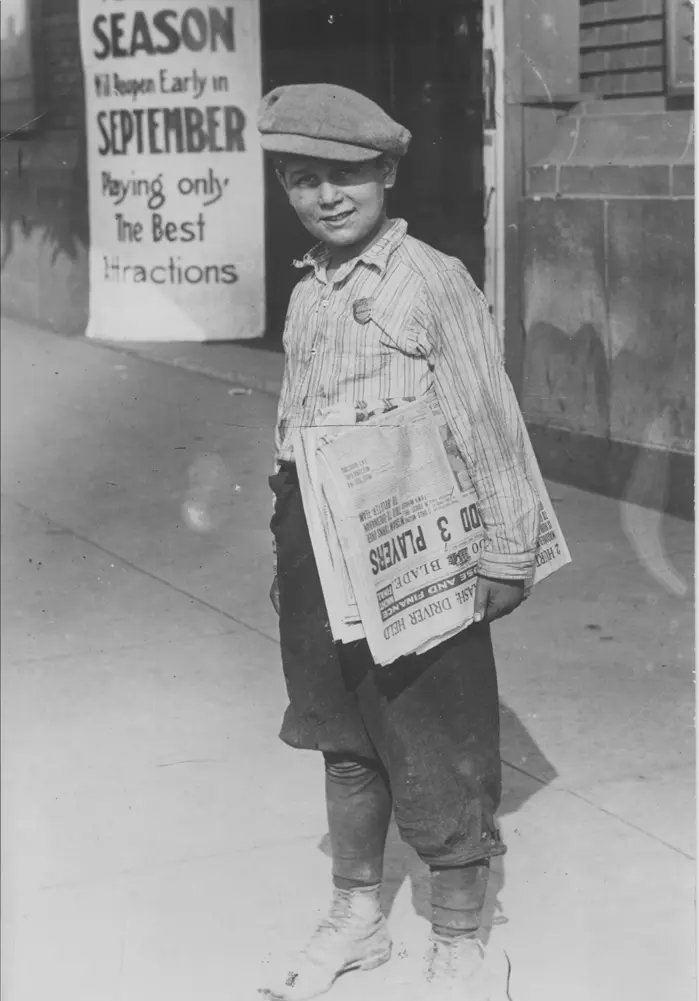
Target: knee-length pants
(430, 721)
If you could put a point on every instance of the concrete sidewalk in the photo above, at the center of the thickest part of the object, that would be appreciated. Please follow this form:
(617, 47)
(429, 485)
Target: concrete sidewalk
(249, 366)
(160, 844)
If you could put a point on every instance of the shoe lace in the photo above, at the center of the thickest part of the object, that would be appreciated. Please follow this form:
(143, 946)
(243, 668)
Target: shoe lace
(338, 914)
(440, 960)
(443, 958)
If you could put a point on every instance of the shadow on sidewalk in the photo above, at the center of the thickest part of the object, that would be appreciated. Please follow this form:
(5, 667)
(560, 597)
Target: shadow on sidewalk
(526, 770)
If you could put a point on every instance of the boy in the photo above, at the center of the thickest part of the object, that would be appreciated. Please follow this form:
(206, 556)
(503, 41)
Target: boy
(382, 315)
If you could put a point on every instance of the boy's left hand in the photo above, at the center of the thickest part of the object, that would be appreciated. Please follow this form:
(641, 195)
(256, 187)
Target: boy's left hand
(495, 598)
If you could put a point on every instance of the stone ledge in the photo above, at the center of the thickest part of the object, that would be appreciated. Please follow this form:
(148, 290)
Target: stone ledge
(594, 107)
(611, 180)
(618, 154)
(636, 138)
(603, 466)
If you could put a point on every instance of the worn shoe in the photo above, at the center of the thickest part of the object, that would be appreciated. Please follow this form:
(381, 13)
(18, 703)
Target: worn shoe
(354, 936)
(459, 969)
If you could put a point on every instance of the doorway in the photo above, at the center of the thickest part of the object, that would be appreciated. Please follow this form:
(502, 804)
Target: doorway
(422, 62)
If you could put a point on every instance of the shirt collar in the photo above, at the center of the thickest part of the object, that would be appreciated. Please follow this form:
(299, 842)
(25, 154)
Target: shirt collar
(377, 254)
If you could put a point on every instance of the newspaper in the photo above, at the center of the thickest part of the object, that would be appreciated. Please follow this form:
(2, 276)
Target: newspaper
(343, 613)
(397, 530)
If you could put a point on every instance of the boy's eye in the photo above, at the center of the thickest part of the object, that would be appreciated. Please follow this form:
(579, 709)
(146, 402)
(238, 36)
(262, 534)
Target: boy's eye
(304, 180)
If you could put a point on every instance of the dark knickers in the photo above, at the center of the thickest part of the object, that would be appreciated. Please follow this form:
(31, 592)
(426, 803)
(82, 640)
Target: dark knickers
(431, 721)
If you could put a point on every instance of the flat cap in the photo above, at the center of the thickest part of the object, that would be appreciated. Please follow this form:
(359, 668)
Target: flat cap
(328, 122)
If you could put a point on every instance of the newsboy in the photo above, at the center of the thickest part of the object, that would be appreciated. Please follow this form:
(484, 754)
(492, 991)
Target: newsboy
(378, 316)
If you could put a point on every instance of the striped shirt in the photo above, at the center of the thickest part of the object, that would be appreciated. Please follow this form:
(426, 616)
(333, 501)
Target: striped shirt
(395, 322)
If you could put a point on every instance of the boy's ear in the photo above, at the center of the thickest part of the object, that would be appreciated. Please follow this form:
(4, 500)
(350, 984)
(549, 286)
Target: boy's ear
(389, 167)
(280, 171)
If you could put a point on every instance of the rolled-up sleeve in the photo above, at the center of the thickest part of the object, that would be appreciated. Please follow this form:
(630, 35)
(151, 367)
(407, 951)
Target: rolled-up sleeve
(480, 406)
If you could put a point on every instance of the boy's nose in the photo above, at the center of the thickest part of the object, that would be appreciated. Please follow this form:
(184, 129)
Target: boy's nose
(328, 193)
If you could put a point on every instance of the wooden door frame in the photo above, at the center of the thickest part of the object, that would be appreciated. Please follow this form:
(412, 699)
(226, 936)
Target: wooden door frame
(513, 165)
(493, 160)
(510, 173)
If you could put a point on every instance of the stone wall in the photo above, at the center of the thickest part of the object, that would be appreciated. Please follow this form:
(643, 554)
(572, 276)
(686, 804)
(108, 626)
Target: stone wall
(607, 272)
(45, 226)
(44, 221)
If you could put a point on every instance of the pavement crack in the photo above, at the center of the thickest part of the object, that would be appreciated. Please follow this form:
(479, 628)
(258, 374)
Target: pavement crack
(146, 573)
(192, 761)
(600, 809)
(124, 647)
(152, 867)
(630, 823)
(268, 387)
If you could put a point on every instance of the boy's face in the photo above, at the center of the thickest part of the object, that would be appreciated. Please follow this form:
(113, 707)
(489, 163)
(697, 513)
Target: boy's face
(340, 203)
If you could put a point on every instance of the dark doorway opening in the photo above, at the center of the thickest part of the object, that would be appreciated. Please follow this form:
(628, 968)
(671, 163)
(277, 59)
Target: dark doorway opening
(419, 59)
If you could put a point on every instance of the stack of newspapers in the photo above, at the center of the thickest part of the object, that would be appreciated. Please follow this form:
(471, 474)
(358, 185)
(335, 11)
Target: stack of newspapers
(396, 528)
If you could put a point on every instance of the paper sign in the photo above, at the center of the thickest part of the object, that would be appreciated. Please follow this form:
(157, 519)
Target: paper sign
(174, 169)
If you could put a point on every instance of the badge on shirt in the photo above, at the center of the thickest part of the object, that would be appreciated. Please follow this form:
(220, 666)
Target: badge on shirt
(362, 310)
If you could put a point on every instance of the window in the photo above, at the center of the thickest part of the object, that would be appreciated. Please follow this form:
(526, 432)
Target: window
(622, 47)
(634, 48)
(680, 47)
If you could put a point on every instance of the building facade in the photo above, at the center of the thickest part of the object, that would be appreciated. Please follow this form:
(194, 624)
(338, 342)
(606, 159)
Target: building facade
(604, 329)
(596, 104)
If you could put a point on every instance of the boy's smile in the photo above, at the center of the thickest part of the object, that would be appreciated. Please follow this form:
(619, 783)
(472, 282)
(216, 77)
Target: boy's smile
(341, 204)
